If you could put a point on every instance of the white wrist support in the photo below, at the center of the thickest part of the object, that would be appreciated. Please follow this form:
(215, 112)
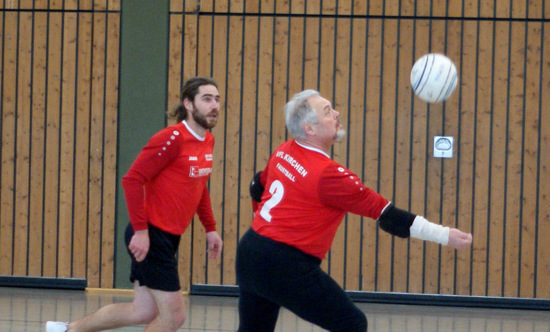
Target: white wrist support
(428, 231)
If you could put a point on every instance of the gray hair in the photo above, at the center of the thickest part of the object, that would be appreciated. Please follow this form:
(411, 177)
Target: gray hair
(298, 111)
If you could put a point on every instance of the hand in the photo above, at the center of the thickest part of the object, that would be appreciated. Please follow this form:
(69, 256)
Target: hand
(459, 239)
(215, 244)
(139, 244)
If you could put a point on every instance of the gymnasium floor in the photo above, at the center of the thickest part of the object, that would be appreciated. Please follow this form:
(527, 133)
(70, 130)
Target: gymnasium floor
(24, 309)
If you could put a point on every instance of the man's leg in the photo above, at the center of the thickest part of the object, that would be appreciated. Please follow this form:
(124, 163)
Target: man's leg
(256, 313)
(171, 311)
(142, 310)
(317, 298)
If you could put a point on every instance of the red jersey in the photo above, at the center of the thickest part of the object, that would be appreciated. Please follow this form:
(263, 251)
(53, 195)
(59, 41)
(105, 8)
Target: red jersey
(306, 197)
(167, 184)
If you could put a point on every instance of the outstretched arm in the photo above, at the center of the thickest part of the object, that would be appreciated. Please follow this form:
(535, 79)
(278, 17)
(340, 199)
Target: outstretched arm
(404, 224)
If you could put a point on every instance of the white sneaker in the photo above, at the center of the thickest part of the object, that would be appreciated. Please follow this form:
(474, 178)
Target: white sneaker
(56, 326)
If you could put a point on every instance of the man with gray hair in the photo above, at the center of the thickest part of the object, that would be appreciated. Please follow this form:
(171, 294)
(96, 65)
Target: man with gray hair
(296, 218)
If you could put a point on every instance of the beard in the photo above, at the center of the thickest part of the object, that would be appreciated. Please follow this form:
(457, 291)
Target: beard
(340, 133)
(202, 119)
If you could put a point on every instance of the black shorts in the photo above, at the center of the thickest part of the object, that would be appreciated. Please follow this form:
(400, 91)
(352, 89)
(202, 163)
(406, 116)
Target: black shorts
(159, 269)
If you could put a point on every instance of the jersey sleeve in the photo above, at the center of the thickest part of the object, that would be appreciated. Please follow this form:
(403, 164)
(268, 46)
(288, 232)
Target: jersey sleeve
(342, 189)
(160, 151)
(206, 216)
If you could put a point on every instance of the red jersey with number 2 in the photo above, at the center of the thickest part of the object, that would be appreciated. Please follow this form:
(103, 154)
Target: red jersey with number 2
(306, 197)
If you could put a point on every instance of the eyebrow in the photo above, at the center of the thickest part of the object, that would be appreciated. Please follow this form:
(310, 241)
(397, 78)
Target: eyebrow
(210, 95)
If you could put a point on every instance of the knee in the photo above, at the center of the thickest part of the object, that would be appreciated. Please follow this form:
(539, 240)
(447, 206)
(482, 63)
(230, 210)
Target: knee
(361, 323)
(177, 319)
(357, 324)
(145, 316)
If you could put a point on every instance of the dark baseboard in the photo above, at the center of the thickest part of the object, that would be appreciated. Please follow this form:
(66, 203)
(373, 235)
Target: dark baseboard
(406, 298)
(43, 282)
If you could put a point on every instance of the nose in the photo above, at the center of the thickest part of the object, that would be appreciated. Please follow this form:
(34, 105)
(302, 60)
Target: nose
(216, 104)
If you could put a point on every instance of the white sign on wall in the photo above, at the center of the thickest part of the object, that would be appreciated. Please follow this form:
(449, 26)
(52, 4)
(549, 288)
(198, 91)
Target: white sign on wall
(443, 146)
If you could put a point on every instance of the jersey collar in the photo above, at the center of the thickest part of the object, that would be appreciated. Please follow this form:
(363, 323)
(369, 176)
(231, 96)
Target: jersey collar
(197, 136)
(312, 149)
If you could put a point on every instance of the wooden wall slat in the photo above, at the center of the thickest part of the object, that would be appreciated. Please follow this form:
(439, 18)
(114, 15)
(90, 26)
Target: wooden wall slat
(482, 98)
(497, 159)
(22, 160)
(503, 8)
(22, 146)
(97, 124)
(81, 152)
(280, 94)
(110, 153)
(513, 166)
(265, 99)
(530, 149)
(543, 228)
(220, 61)
(66, 162)
(312, 33)
(52, 144)
(466, 134)
(7, 196)
(38, 139)
(41, 4)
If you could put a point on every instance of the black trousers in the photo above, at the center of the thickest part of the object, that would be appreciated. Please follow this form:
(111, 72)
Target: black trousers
(272, 275)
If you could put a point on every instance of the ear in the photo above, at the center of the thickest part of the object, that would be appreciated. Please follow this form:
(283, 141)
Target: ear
(187, 104)
(308, 129)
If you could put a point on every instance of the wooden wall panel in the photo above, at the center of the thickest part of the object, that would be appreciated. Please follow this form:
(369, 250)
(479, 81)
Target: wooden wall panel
(481, 183)
(109, 156)
(59, 82)
(359, 56)
(38, 131)
(9, 110)
(22, 146)
(59, 129)
(542, 257)
(52, 145)
(497, 158)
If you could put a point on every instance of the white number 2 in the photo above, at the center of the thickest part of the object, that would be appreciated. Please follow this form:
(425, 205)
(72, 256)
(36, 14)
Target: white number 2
(277, 190)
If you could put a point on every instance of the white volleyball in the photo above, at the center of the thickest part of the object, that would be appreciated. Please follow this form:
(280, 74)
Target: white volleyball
(434, 77)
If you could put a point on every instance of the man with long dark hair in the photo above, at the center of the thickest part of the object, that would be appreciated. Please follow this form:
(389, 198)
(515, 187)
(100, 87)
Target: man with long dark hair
(165, 187)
